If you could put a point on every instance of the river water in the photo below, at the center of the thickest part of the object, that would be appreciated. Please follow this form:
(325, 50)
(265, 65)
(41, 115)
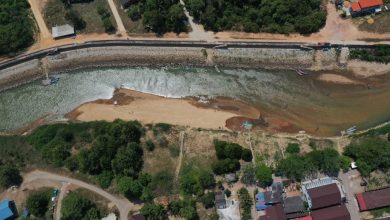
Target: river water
(317, 107)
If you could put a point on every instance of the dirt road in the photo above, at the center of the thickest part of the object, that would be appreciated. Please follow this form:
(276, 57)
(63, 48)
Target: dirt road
(35, 7)
(119, 23)
(123, 205)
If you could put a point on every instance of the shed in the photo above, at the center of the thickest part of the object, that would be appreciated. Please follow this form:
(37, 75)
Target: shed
(339, 212)
(6, 210)
(220, 201)
(324, 196)
(373, 199)
(275, 212)
(62, 31)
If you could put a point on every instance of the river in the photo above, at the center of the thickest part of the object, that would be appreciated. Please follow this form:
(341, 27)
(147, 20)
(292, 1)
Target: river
(318, 107)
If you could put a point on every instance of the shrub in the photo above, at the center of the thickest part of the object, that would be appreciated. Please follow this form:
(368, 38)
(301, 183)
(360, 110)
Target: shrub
(293, 148)
(246, 155)
(38, 203)
(225, 166)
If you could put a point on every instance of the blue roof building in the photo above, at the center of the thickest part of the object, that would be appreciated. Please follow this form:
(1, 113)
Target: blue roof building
(6, 212)
(260, 201)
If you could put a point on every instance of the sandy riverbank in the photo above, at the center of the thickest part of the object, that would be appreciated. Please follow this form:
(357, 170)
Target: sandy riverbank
(213, 113)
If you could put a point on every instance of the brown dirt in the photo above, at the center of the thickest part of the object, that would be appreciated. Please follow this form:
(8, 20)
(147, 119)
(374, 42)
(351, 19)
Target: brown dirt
(337, 79)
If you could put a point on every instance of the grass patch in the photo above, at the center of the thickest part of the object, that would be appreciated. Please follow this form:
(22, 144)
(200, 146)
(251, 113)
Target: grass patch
(55, 10)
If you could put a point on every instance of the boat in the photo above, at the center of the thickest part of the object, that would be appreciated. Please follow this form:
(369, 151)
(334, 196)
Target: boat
(50, 80)
(299, 72)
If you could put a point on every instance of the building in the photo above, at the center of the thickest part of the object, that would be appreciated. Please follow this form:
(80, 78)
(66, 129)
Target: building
(324, 196)
(260, 202)
(294, 207)
(339, 212)
(373, 199)
(220, 201)
(321, 189)
(6, 210)
(274, 196)
(62, 31)
(275, 212)
(364, 7)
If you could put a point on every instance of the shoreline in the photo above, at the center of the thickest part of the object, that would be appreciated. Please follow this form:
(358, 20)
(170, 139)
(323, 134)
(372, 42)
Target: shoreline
(124, 56)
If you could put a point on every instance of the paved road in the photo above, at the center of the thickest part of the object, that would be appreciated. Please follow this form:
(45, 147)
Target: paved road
(348, 186)
(45, 33)
(118, 19)
(123, 205)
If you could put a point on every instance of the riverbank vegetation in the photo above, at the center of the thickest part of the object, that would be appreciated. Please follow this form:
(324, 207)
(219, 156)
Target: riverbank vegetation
(380, 53)
(159, 16)
(275, 16)
(84, 15)
(16, 26)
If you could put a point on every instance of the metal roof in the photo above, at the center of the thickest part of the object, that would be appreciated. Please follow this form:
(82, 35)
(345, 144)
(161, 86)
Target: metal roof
(275, 212)
(339, 212)
(324, 196)
(373, 199)
(5, 209)
(62, 30)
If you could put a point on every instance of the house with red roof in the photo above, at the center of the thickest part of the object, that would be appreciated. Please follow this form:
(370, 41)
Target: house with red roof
(373, 199)
(364, 7)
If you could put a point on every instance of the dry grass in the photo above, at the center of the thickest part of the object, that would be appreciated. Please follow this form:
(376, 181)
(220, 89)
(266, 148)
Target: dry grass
(381, 24)
(54, 14)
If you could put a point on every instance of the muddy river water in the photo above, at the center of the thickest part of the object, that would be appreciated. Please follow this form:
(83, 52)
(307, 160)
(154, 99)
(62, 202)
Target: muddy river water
(317, 107)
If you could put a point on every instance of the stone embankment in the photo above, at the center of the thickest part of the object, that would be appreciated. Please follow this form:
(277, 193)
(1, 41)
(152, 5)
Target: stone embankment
(267, 58)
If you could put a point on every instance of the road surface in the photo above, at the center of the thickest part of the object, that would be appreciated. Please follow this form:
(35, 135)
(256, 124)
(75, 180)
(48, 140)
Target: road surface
(118, 19)
(348, 186)
(45, 33)
(123, 205)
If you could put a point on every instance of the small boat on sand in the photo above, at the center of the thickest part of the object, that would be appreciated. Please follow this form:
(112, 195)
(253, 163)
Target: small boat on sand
(301, 72)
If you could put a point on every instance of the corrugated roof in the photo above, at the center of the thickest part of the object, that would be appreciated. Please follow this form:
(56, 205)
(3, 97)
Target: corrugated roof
(304, 218)
(370, 3)
(293, 204)
(5, 209)
(275, 212)
(62, 31)
(339, 212)
(324, 196)
(355, 6)
(374, 199)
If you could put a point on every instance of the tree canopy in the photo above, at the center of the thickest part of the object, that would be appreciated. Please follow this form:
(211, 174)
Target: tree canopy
(264, 175)
(274, 16)
(38, 203)
(370, 154)
(16, 26)
(9, 176)
(75, 206)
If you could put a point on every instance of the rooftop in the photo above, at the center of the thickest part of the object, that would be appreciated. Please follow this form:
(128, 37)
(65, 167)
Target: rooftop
(324, 196)
(275, 212)
(5, 209)
(339, 212)
(62, 30)
(373, 199)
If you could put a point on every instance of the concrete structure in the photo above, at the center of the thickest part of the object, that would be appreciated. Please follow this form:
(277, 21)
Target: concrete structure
(6, 210)
(373, 199)
(62, 31)
(364, 7)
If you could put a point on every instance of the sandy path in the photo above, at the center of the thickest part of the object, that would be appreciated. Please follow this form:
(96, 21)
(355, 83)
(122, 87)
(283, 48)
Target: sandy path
(153, 109)
(35, 7)
(338, 79)
(121, 27)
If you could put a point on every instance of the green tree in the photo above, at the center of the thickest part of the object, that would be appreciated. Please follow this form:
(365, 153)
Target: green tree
(128, 160)
(38, 203)
(75, 18)
(9, 176)
(293, 148)
(208, 200)
(134, 12)
(246, 203)
(264, 175)
(246, 155)
(206, 180)
(292, 167)
(74, 206)
(154, 212)
(225, 166)
(248, 174)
